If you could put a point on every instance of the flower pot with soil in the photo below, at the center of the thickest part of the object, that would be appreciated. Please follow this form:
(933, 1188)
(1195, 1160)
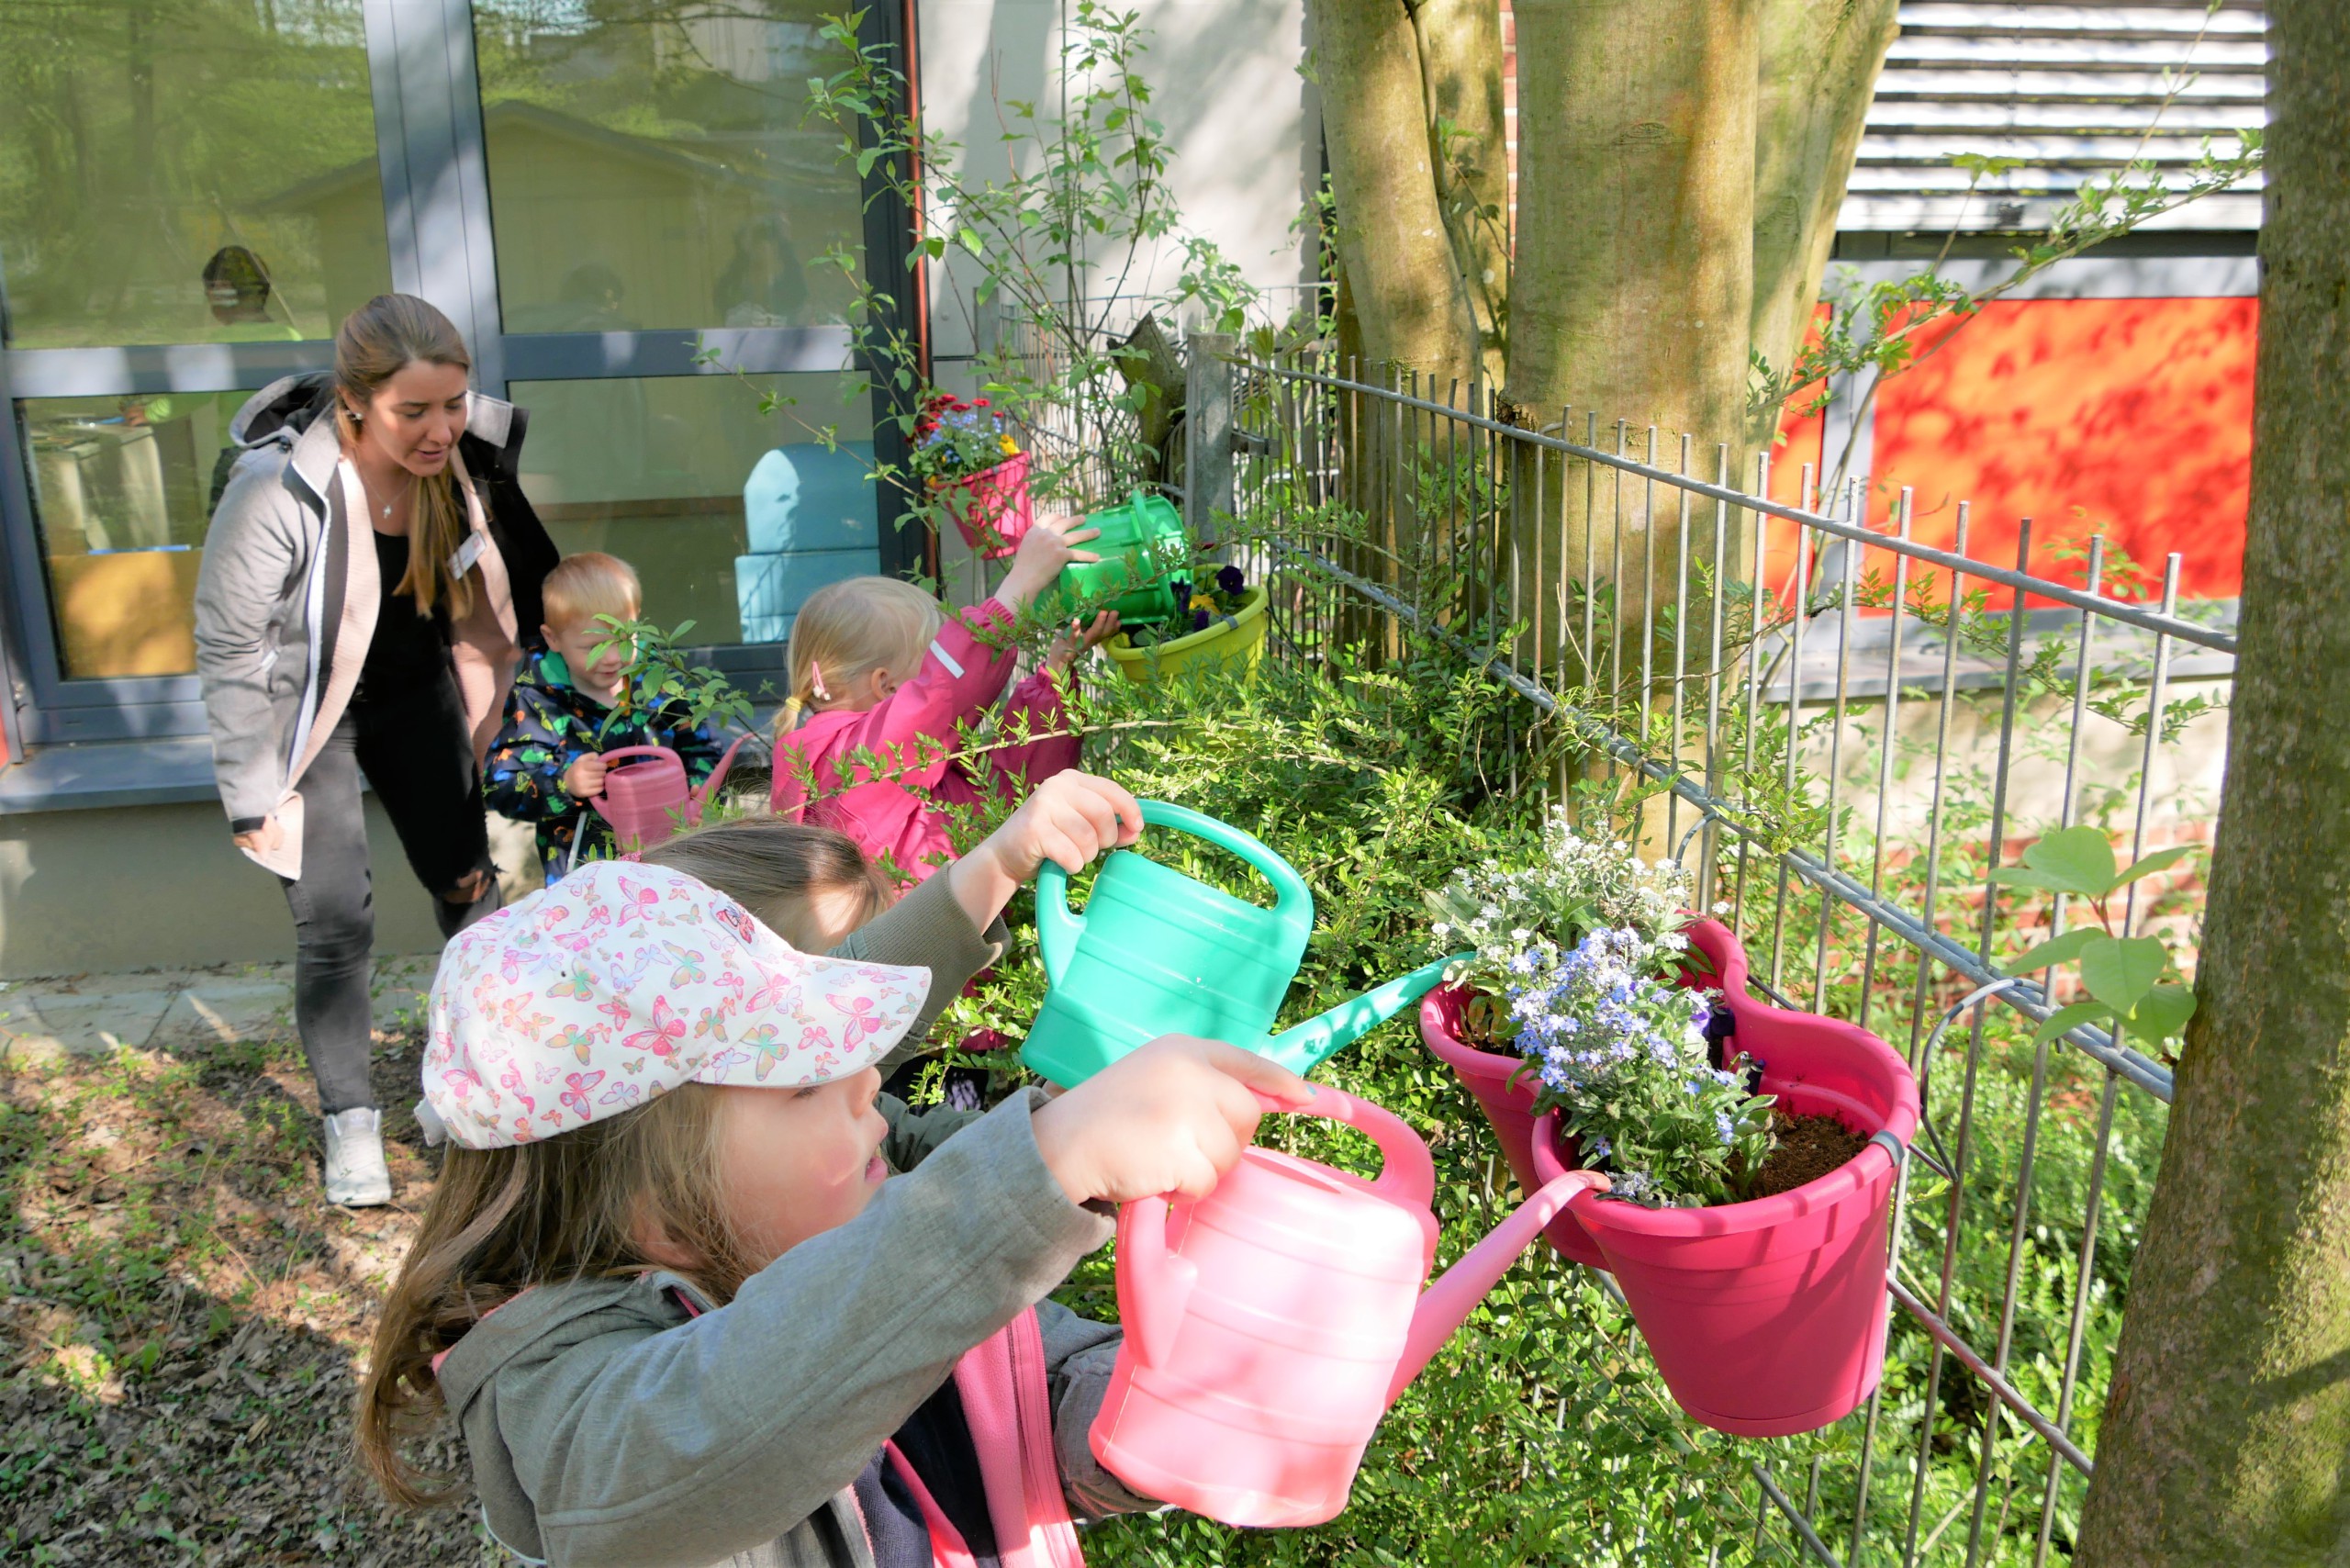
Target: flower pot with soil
(1767, 1316)
(1457, 1024)
(1222, 623)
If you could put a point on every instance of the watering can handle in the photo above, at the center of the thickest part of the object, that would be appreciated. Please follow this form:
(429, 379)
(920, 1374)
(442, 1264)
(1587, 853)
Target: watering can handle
(1058, 927)
(1291, 895)
(1407, 1174)
(1155, 1285)
(1309, 1045)
(709, 791)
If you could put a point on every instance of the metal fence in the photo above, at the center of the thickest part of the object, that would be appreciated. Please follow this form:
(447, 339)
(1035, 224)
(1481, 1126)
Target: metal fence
(1850, 729)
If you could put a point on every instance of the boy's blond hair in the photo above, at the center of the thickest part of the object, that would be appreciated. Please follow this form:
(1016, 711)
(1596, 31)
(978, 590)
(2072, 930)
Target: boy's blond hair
(588, 584)
(849, 628)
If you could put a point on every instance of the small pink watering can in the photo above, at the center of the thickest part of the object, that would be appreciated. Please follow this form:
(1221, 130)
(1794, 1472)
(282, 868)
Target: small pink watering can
(1270, 1323)
(645, 801)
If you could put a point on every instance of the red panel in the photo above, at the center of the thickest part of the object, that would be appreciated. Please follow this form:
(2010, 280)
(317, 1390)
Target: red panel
(2131, 418)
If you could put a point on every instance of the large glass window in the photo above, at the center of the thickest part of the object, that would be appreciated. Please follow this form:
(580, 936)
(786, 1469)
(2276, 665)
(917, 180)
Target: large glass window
(648, 168)
(185, 171)
(121, 487)
(730, 517)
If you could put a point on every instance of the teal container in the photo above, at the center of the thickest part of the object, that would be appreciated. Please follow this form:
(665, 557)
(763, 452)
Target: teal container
(1157, 953)
(1143, 549)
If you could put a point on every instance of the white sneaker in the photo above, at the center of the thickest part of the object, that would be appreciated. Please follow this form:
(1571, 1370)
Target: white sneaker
(357, 1177)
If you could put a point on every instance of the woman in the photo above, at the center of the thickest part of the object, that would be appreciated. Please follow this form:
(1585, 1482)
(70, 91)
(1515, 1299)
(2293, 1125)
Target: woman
(354, 612)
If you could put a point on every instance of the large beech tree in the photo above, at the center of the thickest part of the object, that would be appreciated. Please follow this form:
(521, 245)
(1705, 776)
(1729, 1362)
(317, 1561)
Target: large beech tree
(1681, 164)
(2227, 1435)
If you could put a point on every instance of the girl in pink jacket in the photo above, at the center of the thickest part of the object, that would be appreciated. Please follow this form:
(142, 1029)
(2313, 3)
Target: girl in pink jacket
(881, 677)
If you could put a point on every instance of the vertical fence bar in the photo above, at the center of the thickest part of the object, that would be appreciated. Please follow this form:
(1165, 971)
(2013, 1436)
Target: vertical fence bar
(1890, 746)
(1993, 854)
(1680, 647)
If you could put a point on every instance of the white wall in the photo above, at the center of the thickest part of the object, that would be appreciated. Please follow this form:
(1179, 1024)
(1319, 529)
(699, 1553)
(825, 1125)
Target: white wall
(1240, 121)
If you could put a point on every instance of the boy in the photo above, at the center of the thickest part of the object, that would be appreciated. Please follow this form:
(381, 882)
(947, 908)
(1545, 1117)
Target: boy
(546, 762)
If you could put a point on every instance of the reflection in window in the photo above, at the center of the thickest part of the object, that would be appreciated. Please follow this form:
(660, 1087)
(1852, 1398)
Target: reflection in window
(121, 487)
(648, 167)
(198, 171)
(730, 517)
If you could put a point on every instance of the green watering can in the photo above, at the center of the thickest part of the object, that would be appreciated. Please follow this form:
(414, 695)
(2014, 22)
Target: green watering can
(1158, 953)
(1143, 548)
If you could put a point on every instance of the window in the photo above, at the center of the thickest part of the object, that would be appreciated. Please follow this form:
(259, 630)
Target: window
(121, 487)
(648, 166)
(202, 172)
(193, 194)
(730, 517)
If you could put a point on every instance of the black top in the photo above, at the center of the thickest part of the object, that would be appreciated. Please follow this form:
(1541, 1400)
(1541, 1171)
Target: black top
(409, 651)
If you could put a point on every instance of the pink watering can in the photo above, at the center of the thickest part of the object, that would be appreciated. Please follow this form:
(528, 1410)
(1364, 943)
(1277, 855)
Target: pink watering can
(645, 801)
(1270, 1323)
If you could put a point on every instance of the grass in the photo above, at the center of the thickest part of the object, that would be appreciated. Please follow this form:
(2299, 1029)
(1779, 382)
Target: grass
(186, 1321)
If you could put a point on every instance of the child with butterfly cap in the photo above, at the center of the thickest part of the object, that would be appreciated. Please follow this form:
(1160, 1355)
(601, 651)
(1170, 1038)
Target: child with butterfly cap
(680, 1304)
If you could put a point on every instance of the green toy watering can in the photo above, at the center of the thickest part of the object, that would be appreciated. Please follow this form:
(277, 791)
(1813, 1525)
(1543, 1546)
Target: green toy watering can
(1157, 953)
(1143, 549)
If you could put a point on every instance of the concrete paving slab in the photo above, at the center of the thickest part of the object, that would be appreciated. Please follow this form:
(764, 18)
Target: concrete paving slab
(219, 1010)
(82, 1023)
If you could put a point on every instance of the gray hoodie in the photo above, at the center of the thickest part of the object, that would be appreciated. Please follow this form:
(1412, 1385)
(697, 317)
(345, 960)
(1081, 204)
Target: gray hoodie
(607, 1425)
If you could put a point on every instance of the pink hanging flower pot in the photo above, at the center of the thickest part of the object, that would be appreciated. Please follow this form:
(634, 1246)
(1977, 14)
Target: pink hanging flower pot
(1509, 1105)
(1768, 1318)
(991, 508)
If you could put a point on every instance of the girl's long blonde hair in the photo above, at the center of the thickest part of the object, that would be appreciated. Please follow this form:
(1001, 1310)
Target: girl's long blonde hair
(850, 628)
(574, 1206)
(376, 343)
(502, 1220)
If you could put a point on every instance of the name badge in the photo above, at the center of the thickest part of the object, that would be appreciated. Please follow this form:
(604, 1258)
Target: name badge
(468, 553)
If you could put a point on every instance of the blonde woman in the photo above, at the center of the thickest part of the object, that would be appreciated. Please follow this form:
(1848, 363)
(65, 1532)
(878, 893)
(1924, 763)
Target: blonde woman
(355, 611)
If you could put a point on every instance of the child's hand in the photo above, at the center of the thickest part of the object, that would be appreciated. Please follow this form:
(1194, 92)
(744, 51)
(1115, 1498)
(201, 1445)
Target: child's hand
(1049, 545)
(1170, 1117)
(1079, 640)
(585, 778)
(1069, 819)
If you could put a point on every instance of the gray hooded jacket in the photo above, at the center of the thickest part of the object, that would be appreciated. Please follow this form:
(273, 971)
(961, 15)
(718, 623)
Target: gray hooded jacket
(607, 1425)
(286, 602)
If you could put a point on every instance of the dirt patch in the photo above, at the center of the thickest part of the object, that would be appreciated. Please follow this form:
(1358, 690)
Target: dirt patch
(1807, 1148)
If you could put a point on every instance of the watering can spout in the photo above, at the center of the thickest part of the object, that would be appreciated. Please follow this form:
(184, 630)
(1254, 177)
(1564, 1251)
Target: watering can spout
(1445, 1306)
(1308, 1044)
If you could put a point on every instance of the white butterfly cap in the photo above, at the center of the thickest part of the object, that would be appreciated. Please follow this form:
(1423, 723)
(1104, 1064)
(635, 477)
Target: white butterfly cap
(621, 982)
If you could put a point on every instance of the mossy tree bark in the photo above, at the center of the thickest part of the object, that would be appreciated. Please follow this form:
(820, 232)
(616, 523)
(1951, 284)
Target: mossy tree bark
(1818, 64)
(1402, 270)
(2227, 1437)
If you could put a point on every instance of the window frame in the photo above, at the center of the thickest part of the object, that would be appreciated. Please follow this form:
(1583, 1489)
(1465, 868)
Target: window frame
(433, 162)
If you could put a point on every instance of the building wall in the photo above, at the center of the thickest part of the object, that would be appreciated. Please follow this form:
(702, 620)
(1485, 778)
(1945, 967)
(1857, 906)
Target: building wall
(1242, 126)
(161, 887)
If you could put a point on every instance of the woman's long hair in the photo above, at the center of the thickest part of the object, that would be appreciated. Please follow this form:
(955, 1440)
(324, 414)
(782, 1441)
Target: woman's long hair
(376, 342)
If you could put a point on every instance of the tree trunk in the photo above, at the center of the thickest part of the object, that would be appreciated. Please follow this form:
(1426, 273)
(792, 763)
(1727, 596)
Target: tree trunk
(1409, 295)
(1636, 235)
(1460, 50)
(1819, 62)
(2226, 1434)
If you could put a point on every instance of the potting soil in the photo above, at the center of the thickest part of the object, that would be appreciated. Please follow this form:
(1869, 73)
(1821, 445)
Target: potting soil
(1807, 1148)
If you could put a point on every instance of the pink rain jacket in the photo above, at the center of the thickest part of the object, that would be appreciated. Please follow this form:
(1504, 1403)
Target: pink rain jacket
(903, 815)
